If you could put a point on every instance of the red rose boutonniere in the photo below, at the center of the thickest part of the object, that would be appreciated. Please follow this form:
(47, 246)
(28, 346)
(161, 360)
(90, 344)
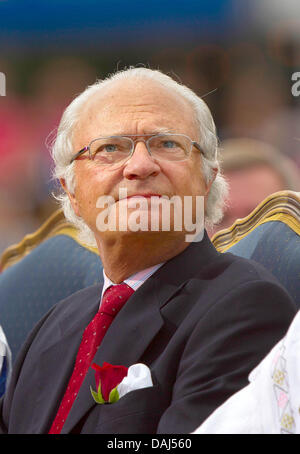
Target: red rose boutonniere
(113, 382)
(107, 377)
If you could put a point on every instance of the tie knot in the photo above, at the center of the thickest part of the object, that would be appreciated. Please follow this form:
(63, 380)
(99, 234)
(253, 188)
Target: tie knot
(114, 298)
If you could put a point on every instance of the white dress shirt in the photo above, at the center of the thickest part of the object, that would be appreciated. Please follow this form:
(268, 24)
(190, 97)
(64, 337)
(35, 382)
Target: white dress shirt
(134, 281)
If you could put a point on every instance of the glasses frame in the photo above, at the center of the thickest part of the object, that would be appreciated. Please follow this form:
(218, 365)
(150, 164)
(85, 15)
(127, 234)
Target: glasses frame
(134, 142)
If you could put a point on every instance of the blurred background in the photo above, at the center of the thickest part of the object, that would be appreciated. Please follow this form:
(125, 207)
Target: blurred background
(238, 55)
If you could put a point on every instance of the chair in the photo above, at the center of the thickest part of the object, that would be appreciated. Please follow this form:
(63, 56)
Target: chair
(52, 263)
(270, 235)
(44, 268)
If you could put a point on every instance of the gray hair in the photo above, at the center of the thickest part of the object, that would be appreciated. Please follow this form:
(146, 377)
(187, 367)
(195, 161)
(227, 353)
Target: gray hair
(62, 148)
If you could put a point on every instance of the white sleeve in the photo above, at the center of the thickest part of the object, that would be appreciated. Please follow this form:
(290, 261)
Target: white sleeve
(5, 353)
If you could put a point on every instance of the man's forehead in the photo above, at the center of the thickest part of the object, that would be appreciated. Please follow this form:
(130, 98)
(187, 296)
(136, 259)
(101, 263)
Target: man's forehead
(131, 94)
(134, 107)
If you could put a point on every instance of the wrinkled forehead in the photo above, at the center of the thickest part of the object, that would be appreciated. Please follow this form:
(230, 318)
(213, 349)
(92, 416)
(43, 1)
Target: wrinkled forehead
(133, 97)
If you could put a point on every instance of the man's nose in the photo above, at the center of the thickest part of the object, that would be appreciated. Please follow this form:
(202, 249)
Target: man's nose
(141, 164)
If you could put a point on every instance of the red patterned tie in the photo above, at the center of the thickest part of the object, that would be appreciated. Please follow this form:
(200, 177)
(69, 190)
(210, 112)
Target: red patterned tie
(113, 300)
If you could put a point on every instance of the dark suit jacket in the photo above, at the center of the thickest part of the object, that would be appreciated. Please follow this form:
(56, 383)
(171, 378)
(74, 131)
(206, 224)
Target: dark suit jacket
(200, 323)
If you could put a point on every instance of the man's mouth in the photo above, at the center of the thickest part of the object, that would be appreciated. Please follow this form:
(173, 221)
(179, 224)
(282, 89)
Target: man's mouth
(146, 196)
(139, 195)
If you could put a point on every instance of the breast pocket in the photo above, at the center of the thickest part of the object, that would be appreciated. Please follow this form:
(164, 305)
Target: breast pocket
(137, 412)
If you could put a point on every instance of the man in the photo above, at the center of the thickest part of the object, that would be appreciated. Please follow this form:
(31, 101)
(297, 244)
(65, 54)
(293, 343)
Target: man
(197, 320)
(254, 170)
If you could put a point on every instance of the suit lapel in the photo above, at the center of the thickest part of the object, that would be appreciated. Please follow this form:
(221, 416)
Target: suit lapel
(66, 337)
(124, 343)
(140, 320)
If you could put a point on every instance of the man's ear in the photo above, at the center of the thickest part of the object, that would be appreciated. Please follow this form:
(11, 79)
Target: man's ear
(71, 196)
(215, 171)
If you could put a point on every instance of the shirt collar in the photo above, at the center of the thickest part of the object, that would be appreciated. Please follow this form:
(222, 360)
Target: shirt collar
(134, 281)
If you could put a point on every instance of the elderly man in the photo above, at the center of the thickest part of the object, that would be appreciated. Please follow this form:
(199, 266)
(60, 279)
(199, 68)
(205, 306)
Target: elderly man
(177, 327)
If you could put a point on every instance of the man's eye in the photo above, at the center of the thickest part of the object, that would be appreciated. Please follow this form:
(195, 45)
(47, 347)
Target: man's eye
(109, 148)
(169, 144)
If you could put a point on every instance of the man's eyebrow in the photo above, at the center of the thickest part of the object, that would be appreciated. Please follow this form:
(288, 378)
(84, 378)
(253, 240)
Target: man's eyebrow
(164, 130)
(148, 133)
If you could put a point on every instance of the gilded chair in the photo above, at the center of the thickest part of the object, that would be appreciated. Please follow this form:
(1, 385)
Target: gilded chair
(270, 235)
(44, 268)
(52, 263)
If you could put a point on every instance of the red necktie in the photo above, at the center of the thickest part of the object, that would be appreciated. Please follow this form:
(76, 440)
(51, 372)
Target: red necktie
(113, 300)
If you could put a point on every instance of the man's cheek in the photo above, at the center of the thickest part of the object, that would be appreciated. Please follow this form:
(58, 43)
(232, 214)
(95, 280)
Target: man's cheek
(87, 209)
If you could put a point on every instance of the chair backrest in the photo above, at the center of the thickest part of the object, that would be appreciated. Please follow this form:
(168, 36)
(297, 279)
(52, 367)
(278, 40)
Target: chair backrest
(44, 268)
(270, 235)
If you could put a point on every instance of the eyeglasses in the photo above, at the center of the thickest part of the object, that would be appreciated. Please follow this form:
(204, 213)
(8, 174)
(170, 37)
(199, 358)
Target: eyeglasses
(107, 151)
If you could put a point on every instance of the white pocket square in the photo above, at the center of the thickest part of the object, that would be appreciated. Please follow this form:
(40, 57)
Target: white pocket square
(138, 377)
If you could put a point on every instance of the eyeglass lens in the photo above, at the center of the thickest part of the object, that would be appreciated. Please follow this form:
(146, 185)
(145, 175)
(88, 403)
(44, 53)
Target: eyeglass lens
(111, 150)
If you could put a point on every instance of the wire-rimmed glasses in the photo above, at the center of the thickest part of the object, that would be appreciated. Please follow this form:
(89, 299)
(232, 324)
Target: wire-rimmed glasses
(107, 151)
